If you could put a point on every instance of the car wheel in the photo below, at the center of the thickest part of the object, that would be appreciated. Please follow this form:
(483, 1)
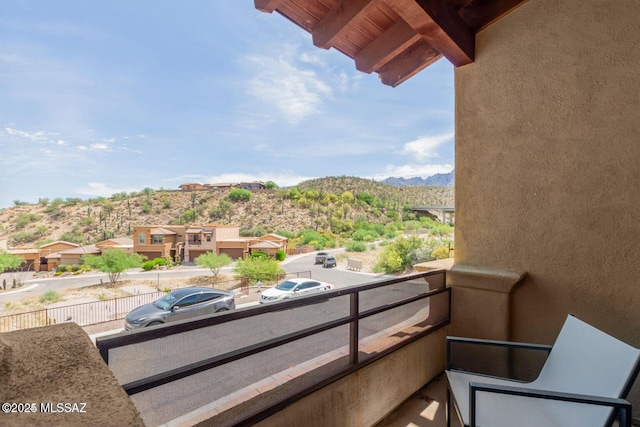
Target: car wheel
(154, 323)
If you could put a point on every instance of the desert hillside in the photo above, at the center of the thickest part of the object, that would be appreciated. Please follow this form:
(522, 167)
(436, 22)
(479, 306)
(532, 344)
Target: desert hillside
(334, 203)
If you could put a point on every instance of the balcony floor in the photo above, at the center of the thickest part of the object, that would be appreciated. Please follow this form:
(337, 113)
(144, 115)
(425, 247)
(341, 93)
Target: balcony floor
(426, 408)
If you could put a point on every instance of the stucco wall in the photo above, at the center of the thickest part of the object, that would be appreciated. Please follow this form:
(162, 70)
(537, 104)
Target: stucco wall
(548, 164)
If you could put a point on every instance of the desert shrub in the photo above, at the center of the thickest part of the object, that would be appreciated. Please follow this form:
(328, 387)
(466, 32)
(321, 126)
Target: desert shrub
(148, 265)
(23, 237)
(63, 268)
(441, 252)
(403, 253)
(239, 195)
(23, 219)
(356, 246)
(363, 235)
(284, 233)
(75, 236)
(259, 255)
(75, 268)
(312, 238)
(280, 255)
(50, 296)
(151, 264)
(189, 215)
(253, 231)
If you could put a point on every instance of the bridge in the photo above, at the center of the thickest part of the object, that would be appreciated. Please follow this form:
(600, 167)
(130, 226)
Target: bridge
(444, 212)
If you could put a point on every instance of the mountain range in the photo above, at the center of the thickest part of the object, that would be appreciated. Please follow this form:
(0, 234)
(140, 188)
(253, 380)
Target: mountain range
(437, 180)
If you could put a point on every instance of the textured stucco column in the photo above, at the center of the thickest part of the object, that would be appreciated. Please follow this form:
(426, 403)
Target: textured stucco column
(55, 377)
(481, 301)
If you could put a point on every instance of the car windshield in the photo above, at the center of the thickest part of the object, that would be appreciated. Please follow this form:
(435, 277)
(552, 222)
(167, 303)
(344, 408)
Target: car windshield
(287, 285)
(165, 302)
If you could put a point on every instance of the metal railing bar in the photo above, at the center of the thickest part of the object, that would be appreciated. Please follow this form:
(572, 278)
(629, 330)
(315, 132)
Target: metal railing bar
(212, 362)
(354, 328)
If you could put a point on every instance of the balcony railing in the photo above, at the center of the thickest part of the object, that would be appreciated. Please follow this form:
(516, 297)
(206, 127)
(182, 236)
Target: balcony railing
(296, 347)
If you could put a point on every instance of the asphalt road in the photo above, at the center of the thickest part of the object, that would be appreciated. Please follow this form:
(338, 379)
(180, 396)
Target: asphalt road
(40, 286)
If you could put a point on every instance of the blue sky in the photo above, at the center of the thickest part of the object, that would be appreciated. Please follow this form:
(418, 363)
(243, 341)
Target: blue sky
(100, 97)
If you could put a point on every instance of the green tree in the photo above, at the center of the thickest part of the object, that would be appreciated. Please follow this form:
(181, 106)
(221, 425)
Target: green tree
(8, 261)
(113, 262)
(271, 185)
(264, 270)
(213, 262)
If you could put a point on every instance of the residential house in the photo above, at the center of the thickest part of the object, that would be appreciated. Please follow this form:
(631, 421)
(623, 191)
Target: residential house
(154, 241)
(48, 257)
(269, 244)
(52, 248)
(71, 256)
(122, 243)
(31, 258)
(186, 243)
(254, 185)
(191, 186)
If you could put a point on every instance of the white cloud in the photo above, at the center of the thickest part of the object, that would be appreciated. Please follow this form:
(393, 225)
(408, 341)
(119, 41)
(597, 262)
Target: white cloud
(39, 136)
(409, 171)
(94, 147)
(100, 189)
(426, 146)
(294, 91)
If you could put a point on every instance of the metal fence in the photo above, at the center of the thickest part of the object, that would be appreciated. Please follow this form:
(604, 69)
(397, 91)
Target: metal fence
(83, 314)
(91, 313)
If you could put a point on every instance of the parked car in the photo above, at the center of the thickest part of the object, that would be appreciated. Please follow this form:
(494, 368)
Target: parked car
(183, 303)
(320, 257)
(330, 262)
(293, 288)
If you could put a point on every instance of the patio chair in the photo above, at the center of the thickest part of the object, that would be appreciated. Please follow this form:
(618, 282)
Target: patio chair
(584, 381)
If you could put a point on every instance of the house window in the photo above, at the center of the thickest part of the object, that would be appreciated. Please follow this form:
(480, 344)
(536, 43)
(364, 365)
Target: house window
(141, 239)
(208, 238)
(157, 239)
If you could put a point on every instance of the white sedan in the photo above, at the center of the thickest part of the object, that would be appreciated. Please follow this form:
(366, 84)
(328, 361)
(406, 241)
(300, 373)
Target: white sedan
(293, 288)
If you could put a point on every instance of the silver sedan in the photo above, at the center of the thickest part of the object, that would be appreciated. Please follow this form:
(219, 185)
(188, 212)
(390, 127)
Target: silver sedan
(180, 304)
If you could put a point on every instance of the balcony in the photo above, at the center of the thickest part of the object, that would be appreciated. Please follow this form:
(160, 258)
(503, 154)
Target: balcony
(372, 345)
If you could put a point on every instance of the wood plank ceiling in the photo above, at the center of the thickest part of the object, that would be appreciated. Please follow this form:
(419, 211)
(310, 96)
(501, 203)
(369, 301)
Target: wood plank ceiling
(394, 38)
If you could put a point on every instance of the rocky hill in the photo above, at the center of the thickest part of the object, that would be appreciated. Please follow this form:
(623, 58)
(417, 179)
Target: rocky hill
(327, 203)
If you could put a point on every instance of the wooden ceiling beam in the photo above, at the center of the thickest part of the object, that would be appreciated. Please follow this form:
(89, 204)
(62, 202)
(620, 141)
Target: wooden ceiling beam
(267, 5)
(440, 25)
(409, 63)
(337, 19)
(381, 50)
